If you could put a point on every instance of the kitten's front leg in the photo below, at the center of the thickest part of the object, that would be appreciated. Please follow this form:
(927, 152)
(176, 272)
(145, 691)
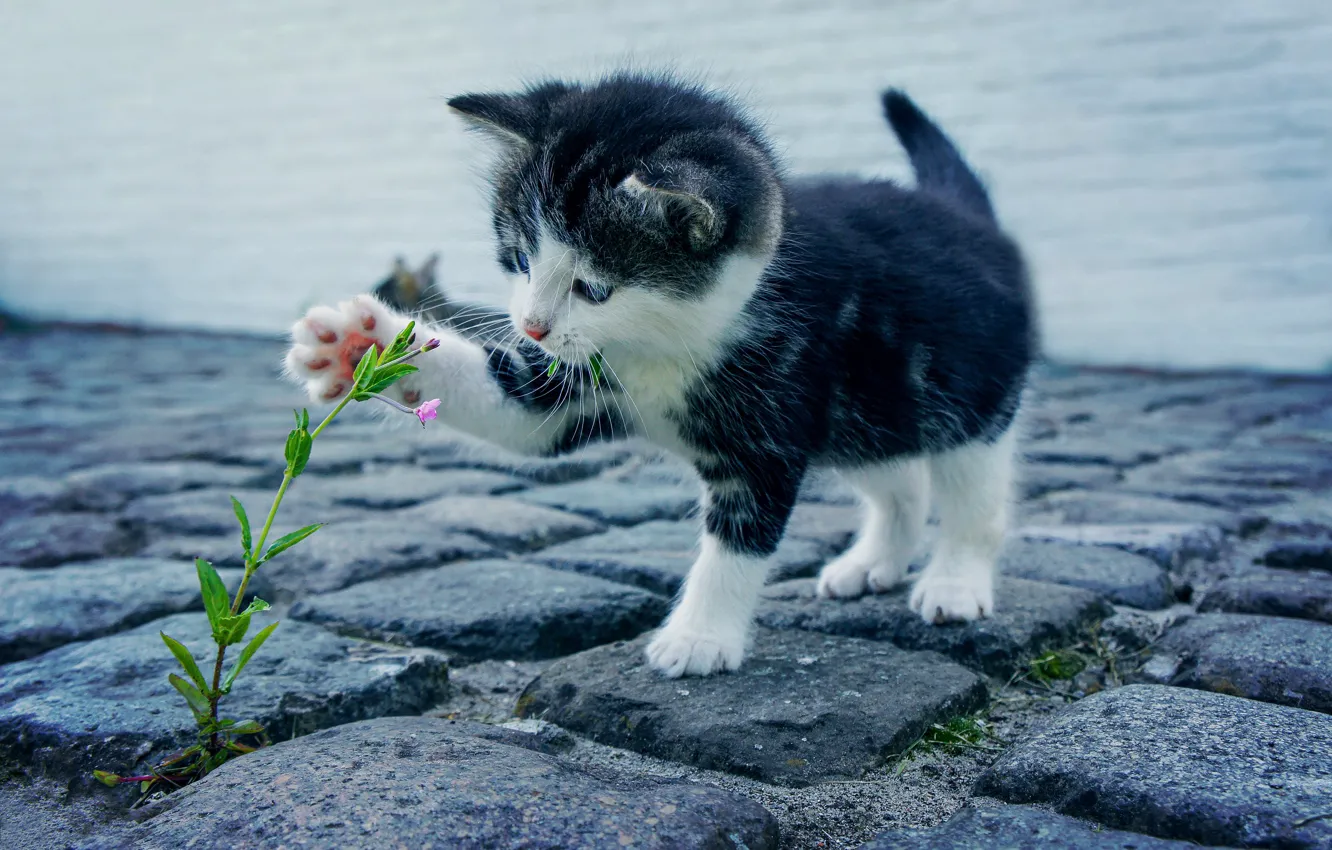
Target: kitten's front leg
(479, 390)
(709, 628)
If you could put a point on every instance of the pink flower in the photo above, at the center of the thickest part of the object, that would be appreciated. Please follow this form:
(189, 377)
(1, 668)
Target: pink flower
(426, 411)
(431, 345)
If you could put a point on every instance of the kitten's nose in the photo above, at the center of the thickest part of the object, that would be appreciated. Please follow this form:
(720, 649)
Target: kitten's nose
(535, 331)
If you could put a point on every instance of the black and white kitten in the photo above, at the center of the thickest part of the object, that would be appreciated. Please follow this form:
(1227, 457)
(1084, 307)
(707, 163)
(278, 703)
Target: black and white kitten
(756, 328)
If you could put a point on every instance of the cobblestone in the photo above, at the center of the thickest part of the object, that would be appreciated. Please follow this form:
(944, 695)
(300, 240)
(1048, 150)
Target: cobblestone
(1162, 496)
(489, 609)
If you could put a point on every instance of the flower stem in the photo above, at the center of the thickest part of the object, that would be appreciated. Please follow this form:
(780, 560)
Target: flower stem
(216, 693)
(251, 563)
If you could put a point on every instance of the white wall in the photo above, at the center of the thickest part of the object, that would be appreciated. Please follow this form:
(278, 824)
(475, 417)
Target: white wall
(224, 165)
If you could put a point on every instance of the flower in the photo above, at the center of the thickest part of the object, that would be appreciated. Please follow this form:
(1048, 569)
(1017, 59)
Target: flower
(431, 345)
(426, 411)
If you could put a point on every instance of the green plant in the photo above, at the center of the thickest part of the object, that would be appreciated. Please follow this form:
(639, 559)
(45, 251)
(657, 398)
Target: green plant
(219, 738)
(595, 365)
(968, 732)
(1056, 666)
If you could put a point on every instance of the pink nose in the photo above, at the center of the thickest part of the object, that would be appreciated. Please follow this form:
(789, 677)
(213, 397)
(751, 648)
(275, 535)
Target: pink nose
(535, 331)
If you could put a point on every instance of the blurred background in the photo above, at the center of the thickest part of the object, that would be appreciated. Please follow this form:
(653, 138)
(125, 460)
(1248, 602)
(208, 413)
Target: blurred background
(1167, 165)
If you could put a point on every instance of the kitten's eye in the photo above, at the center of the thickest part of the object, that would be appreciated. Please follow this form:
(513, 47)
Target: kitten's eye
(520, 260)
(594, 292)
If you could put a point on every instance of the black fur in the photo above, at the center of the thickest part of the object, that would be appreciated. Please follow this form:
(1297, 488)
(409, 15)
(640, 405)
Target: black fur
(570, 148)
(891, 321)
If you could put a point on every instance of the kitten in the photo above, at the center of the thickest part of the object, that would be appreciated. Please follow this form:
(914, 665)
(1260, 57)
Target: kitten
(670, 284)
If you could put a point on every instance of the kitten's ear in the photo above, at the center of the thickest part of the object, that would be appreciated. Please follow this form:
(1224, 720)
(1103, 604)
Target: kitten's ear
(678, 191)
(427, 270)
(507, 118)
(513, 119)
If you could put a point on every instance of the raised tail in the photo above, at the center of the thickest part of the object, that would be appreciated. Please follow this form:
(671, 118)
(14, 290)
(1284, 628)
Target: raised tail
(940, 168)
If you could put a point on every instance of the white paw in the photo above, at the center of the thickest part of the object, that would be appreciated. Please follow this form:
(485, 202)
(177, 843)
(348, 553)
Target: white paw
(852, 574)
(944, 599)
(328, 343)
(676, 652)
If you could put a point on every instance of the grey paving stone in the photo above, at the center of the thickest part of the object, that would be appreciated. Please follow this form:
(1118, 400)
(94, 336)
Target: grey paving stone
(404, 486)
(209, 512)
(1094, 449)
(585, 463)
(1122, 577)
(1168, 544)
(28, 494)
(1259, 470)
(109, 487)
(1103, 508)
(1273, 659)
(49, 539)
(107, 704)
(1276, 593)
(802, 709)
(1299, 555)
(618, 503)
(1038, 479)
(1182, 764)
(345, 553)
(1260, 407)
(657, 555)
(489, 609)
(218, 550)
(827, 487)
(1031, 616)
(43, 609)
(444, 785)
(992, 825)
(503, 522)
(831, 525)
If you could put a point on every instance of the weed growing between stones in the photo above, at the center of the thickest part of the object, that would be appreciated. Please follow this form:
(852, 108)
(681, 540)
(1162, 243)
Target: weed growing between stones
(220, 738)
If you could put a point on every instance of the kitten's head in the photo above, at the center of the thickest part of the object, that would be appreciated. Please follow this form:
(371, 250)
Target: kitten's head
(637, 210)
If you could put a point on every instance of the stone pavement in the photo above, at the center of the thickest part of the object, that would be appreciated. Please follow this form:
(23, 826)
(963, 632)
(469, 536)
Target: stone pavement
(1158, 672)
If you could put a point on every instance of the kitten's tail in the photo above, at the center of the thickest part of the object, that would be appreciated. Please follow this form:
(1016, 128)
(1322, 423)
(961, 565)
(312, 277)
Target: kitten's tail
(939, 166)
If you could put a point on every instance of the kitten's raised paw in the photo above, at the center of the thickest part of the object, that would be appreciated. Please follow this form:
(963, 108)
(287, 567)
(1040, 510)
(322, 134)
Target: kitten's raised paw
(676, 652)
(944, 599)
(328, 343)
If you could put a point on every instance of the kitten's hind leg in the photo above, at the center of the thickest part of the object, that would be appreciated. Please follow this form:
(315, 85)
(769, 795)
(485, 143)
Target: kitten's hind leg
(895, 497)
(973, 493)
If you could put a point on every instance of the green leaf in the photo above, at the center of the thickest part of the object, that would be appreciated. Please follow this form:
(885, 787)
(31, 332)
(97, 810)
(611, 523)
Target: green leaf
(388, 376)
(305, 419)
(287, 541)
(215, 761)
(246, 654)
(186, 660)
(232, 630)
(215, 599)
(256, 605)
(366, 366)
(552, 368)
(246, 541)
(198, 703)
(297, 451)
(106, 778)
(305, 442)
(595, 363)
(248, 727)
(400, 343)
(1057, 665)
